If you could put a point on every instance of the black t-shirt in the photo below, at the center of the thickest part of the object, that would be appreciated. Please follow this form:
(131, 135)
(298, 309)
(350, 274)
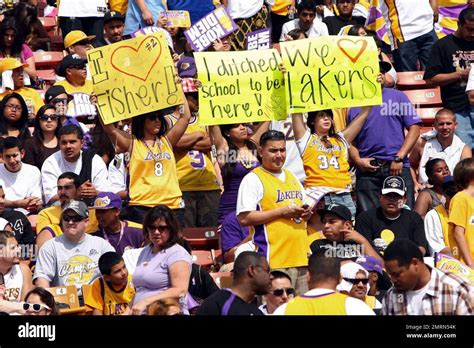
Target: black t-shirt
(224, 302)
(346, 250)
(21, 226)
(336, 23)
(409, 225)
(446, 54)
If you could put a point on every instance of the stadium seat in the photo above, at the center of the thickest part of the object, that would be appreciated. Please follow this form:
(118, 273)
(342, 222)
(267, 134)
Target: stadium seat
(222, 279)
(49, 23)
(410, 80)
(202, 258)
(48, 76)
(67, 295)
(47, 60)
(425, 97)
(202, 238)
(427, 115)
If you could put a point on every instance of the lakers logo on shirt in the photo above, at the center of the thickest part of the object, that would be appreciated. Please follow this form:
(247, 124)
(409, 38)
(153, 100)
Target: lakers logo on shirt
(78, 269)
(288, 195)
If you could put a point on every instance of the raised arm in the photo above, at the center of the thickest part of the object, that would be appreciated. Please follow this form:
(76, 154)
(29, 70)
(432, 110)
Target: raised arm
(261, 128)
(299, 127)
(177, 131)
(353, 128)
(121, 140)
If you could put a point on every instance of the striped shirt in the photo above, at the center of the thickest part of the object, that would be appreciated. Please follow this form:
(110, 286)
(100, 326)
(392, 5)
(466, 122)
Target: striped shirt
(447, 294)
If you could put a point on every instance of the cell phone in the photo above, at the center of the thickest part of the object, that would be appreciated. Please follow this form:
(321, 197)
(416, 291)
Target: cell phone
(305, 206)
(2, 280)
(376, 163)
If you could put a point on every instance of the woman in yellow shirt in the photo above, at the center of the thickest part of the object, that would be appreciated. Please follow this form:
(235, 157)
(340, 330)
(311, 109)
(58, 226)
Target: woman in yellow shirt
(152, 175)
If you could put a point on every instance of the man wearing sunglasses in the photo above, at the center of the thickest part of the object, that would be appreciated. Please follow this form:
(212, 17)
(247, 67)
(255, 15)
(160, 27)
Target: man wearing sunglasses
(280, 293)
(74, 69)
(71, 258)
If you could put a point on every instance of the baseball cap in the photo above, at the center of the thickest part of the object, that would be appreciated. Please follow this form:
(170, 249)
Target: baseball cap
(76, 36)
(54, 91)
(370, 263)
(113, 15)
(339, 210)
(10, 64)
(79, 207)
(107, 200)
(187, 67)
(69, 61)
(394, 184)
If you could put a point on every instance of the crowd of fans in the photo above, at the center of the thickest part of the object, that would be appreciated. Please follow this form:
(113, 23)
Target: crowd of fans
(333, 212)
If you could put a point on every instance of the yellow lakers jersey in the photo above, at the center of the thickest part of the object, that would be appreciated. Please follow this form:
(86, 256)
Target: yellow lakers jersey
(371, 301)
(327, 165)
(108, 300)
(284, 242)
(461, 213)
(152, 177)
(195, 168)
(51, 217)
(333, 303)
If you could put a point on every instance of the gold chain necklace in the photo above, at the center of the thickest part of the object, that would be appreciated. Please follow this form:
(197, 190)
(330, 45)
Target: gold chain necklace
(156, 157)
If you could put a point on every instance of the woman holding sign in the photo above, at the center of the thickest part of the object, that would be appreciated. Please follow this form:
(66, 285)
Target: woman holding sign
(325, 154)
(152, 175)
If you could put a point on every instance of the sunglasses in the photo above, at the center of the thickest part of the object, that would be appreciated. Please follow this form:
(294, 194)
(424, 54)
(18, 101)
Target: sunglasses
(279, 292)
(48, 117)
(161, 228)
(152, 117)
(355, 281)
(35, 306)
(83, 43)
(59, 100)
(78, 67)
(73, 218)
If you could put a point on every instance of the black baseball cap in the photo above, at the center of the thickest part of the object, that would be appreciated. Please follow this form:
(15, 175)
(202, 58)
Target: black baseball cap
(54, 91)
(69, 61)
(113, 15)
(339, 210)
(394, 184)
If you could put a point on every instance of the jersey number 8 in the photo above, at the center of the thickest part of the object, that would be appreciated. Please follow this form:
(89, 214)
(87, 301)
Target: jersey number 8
(158, 169)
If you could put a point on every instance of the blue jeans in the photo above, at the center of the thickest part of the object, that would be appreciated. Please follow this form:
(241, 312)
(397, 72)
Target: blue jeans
(344, 199)
(465, 128)
(408, 52)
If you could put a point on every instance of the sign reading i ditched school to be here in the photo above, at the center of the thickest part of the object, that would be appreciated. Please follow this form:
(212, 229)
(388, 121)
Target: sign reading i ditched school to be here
(133, 77)
(240, 87)
(331, 72)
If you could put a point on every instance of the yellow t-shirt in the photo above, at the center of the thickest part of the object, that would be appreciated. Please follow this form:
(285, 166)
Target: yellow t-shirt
(50, 217)
(108, 300)
(281, 7)
(118, 6)
(327, 167)
(284, 242)
(333, 303)
(80, 105)
(340, 118)
(32, 98)
(313, 235)
(196, 171)
(461, 213)
(152, 177)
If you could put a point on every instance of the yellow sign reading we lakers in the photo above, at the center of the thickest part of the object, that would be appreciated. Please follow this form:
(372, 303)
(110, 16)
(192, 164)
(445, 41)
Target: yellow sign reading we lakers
(331, 72)
(133, 77)
(240, 87)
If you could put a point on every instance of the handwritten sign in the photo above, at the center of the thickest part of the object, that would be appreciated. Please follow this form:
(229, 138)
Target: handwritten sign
(145, 31)
(245, 86)
(331, 72)
(133, 77)
(177, 19)
(259, 40)
(215, 25)
(450, 264)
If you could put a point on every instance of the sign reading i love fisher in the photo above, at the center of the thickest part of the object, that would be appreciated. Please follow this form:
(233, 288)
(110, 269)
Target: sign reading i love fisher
(133, 77)
(331, 72)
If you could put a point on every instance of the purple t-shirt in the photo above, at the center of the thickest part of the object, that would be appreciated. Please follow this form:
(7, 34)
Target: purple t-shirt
(152, 274)
(383, 133)
(131, 238)
(232, 232)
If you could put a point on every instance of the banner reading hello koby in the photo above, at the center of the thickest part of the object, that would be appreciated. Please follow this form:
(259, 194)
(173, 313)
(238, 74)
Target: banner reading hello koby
(133, 77)
(240, 87)
(331, 72)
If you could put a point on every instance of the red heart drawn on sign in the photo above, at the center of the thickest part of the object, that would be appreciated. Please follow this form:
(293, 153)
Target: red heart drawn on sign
(125, 58)
(361, 43)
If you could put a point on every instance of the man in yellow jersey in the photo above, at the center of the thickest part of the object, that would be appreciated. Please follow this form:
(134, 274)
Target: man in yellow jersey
(270, 201)
(322, 299)
(111, 293)
(48, 223)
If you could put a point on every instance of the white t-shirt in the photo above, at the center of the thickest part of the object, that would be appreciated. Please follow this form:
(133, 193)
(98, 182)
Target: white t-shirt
(415, 300)
(55, 165)
(354, 306)
(130, 258)
(293, 162)
(434, 232)
(317, 29)
(251, 191)
(117, 174)
(86, 8)
(245, 8)
(470, 81)
(24, 183)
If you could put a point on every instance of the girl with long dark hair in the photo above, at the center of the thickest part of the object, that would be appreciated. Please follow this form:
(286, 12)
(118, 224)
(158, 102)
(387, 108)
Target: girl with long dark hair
(14, 117)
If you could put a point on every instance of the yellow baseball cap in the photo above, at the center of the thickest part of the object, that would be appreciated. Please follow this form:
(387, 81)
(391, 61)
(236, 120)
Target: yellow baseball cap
(10, 64)
(76, 36)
